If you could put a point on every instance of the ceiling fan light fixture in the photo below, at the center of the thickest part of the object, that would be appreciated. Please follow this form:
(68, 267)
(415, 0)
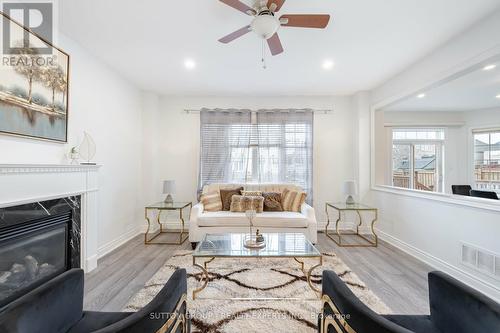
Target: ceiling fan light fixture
(265, 26)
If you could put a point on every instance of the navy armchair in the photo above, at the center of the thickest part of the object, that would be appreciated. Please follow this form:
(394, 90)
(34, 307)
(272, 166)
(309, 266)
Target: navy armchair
(454, 308)
(57, 307)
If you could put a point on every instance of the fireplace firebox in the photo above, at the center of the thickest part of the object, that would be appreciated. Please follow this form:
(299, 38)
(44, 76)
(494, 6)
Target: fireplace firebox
(37, 242)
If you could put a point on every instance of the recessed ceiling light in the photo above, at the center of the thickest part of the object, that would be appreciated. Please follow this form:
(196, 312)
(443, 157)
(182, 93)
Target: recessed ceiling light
(498, 96)
(190, 64)
(420, 95)
(328, 64)
(489, 67)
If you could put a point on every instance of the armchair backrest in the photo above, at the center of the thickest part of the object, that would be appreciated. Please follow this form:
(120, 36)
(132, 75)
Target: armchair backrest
(357, 315)
(458, 308)
(484, 194)
(53, 307)
(154, 317)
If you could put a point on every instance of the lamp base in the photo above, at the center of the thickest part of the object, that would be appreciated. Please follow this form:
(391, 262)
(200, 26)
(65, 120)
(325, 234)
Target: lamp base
(169, 200)
(350, 200)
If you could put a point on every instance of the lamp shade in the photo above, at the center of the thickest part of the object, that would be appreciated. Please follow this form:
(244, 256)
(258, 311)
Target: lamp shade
(168, 186)
(350, 187)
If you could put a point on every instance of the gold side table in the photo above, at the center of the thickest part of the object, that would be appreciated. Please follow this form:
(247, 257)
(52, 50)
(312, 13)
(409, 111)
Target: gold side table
(160, 207)
(336, 236)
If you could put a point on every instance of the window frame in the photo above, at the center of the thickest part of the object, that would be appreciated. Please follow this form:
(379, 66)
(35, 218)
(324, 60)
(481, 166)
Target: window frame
(440, 145)
(472, 153)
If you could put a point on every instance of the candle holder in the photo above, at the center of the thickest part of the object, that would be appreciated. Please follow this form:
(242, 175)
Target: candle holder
(252, 241)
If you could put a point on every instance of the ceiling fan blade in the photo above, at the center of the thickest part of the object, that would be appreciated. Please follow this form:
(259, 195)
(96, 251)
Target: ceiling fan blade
(305, 21)
(276, 4)
(275, 44)
(236, 34)
(238, 5)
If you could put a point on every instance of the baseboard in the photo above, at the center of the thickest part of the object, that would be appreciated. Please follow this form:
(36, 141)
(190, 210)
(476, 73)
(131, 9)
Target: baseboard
(475, 282)
(90, 264)
(110, 246)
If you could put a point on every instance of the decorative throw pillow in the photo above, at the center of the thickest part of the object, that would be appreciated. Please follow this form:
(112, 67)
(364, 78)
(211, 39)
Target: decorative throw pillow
(251, 193)
(240, 203)
(272, 202)
(211, 202)
(227, 194)
(292, 200)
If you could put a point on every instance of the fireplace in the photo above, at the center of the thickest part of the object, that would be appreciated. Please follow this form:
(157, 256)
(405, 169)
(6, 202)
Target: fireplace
(37, 242)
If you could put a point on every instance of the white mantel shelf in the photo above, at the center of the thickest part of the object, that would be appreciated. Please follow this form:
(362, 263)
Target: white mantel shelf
(45, 168)
(27, 183)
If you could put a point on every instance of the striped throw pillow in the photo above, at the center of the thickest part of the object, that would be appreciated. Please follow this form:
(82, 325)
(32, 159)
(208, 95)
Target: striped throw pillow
(292, 200)
(211, 202)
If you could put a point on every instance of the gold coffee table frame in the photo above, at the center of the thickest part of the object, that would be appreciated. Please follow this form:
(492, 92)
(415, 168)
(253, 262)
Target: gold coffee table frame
(160, 207)
(336, 236)
(205, 259)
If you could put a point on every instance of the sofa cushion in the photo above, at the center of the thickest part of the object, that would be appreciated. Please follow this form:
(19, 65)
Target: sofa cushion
(241, 204)
(272, 202)
(265, 219)
(226, 196)
(293, 200)
(211, 202)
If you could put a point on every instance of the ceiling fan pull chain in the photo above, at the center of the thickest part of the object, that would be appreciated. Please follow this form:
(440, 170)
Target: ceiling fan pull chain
(264, 66)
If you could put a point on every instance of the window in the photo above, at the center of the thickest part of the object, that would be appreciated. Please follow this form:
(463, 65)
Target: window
(269, 146)
(487, 160)
(417, 158)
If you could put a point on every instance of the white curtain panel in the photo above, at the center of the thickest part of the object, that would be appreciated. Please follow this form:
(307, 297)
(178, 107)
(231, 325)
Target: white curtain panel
(285, 147)
(268, 146)
(225, 138)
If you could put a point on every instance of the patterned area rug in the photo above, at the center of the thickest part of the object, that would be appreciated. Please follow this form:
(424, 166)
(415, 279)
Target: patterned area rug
(216, 311)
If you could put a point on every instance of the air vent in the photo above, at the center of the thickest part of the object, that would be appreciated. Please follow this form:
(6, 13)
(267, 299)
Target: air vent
(480, 260)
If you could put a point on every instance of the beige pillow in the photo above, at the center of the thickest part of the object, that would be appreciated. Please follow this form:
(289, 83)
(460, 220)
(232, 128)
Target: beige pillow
(292, 200)
(240, 204)
(251, 193)
(211, 202)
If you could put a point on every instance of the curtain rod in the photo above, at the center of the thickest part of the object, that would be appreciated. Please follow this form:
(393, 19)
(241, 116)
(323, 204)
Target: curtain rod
(324, 111)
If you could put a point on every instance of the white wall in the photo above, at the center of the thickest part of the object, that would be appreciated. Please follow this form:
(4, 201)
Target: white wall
(428, 228)
(109, 108)
(179, 143)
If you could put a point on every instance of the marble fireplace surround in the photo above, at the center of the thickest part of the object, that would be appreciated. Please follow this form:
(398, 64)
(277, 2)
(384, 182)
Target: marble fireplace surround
(27, 183)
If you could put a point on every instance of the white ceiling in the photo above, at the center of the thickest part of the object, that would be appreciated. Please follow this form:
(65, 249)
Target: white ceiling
(369, 40)
(476, 90)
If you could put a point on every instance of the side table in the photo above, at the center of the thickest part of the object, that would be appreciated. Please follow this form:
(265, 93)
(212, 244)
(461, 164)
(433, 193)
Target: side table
(160, 207)
(336, 236)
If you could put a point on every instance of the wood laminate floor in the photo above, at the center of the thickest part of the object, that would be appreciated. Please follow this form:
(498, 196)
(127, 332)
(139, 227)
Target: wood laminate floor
(396, 277)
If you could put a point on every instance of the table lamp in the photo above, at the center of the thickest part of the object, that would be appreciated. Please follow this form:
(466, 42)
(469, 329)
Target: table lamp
(169, 189)
(350, 189)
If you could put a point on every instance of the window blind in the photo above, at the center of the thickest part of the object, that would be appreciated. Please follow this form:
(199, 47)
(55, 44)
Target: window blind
(268, 146)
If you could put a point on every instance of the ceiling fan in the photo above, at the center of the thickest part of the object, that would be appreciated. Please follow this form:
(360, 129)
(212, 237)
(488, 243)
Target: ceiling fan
(266, 25)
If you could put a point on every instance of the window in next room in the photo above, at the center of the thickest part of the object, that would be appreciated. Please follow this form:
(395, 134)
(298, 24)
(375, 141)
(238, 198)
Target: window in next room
(417, 158)
(487, 160)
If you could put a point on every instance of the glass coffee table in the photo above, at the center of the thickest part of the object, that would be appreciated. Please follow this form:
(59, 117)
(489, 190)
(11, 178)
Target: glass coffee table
(278, 245)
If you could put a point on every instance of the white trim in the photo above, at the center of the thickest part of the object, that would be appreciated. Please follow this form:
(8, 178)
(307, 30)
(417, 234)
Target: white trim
(45, 198)
(475, 282)
(90, 263)
(462, 201)
(116, 243)
(45, 168)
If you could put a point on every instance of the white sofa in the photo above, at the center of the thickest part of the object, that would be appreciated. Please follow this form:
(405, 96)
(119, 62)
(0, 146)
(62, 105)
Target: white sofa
(202, 222)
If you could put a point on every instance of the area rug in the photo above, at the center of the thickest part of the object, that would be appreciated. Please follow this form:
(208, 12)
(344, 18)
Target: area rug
(293, 306)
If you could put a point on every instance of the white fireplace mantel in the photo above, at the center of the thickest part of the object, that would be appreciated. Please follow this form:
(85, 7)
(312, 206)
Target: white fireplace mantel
(25, 183)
